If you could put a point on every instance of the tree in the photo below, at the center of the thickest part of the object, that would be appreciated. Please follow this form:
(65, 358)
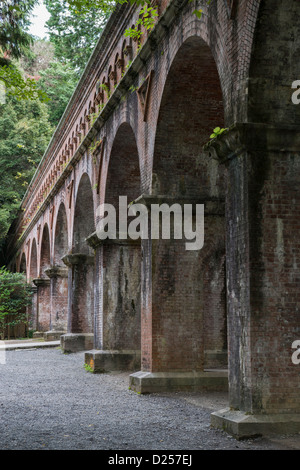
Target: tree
(24, 135)
(15, 84)
(58, 81)
(15, 41)
(74, 36)
(14, 20)
(148, 13)
(15, 295)
(38, 58)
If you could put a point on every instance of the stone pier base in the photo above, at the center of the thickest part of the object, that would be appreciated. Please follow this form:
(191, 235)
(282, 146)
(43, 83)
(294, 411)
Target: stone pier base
(53, 335)
(106, 361)
(75, 342)
(152, 382)
(242, 425)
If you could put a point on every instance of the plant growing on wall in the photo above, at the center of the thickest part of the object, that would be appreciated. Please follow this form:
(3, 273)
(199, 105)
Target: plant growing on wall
(217, 132)
(15, 295)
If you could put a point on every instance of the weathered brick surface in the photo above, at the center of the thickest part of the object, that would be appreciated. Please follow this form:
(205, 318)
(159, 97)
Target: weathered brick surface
(121, 298)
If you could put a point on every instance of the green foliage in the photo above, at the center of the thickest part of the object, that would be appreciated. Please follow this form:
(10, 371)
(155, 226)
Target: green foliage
(14, 20)
(88, 368)
(15, 42)
(147, 14)
(15, 295)
(25, 132)
(20, 87)
(147, 17)
(217, 131)
(58, 81)
(38, 58)
(82, 7)
(74, 36)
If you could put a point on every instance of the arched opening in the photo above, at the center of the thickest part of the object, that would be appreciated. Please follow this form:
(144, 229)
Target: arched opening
(81, 272)
(33, 273)
(191, 107)
(43, 284)
(23, 264)
(186, 287)
(59, 277)
(84, 224)
(120, 258)
(61, 236)
(33, 260)
(45, 252)
(123, 178)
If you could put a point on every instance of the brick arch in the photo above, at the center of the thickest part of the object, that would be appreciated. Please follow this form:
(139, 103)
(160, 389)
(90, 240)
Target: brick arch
(106, 82)
(119, 283)
(45, 251)
(118, 67)
(33, 267)
(60, 235)
(123, 173)
(84, 220)
(23, 264)
(126, 52)
(191, 107)
(216, 35)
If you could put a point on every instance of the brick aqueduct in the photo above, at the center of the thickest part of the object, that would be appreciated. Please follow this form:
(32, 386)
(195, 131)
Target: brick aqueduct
(176, 318)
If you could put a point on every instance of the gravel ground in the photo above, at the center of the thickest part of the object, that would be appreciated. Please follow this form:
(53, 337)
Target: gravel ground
(49, 401)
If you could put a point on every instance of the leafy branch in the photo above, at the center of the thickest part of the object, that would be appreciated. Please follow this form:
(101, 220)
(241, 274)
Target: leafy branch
(19, 87)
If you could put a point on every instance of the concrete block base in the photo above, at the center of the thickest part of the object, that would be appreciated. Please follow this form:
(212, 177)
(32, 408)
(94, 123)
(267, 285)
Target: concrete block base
(53, 335)
(151, 382)
(106, 361)
(242, 425)
(75, 342)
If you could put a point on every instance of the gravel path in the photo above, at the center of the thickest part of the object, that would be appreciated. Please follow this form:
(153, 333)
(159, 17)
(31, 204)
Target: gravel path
(49, 401)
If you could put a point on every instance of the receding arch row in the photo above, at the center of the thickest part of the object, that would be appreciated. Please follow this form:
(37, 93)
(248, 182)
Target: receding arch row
(188, 43)
(177, 120)
(39, 252)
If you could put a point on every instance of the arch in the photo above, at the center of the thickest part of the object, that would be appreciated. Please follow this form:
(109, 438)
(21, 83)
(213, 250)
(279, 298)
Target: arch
(183, 287)
(191, 107)
(59, 274)
(45, 251)
(43, 310)
(118, 67)
(126, 52)
(120, 285)
(94, 101)
(84, 222)
(23, 264)
(105, 87)
(123, 174)
(33, 261)
(60, 236)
